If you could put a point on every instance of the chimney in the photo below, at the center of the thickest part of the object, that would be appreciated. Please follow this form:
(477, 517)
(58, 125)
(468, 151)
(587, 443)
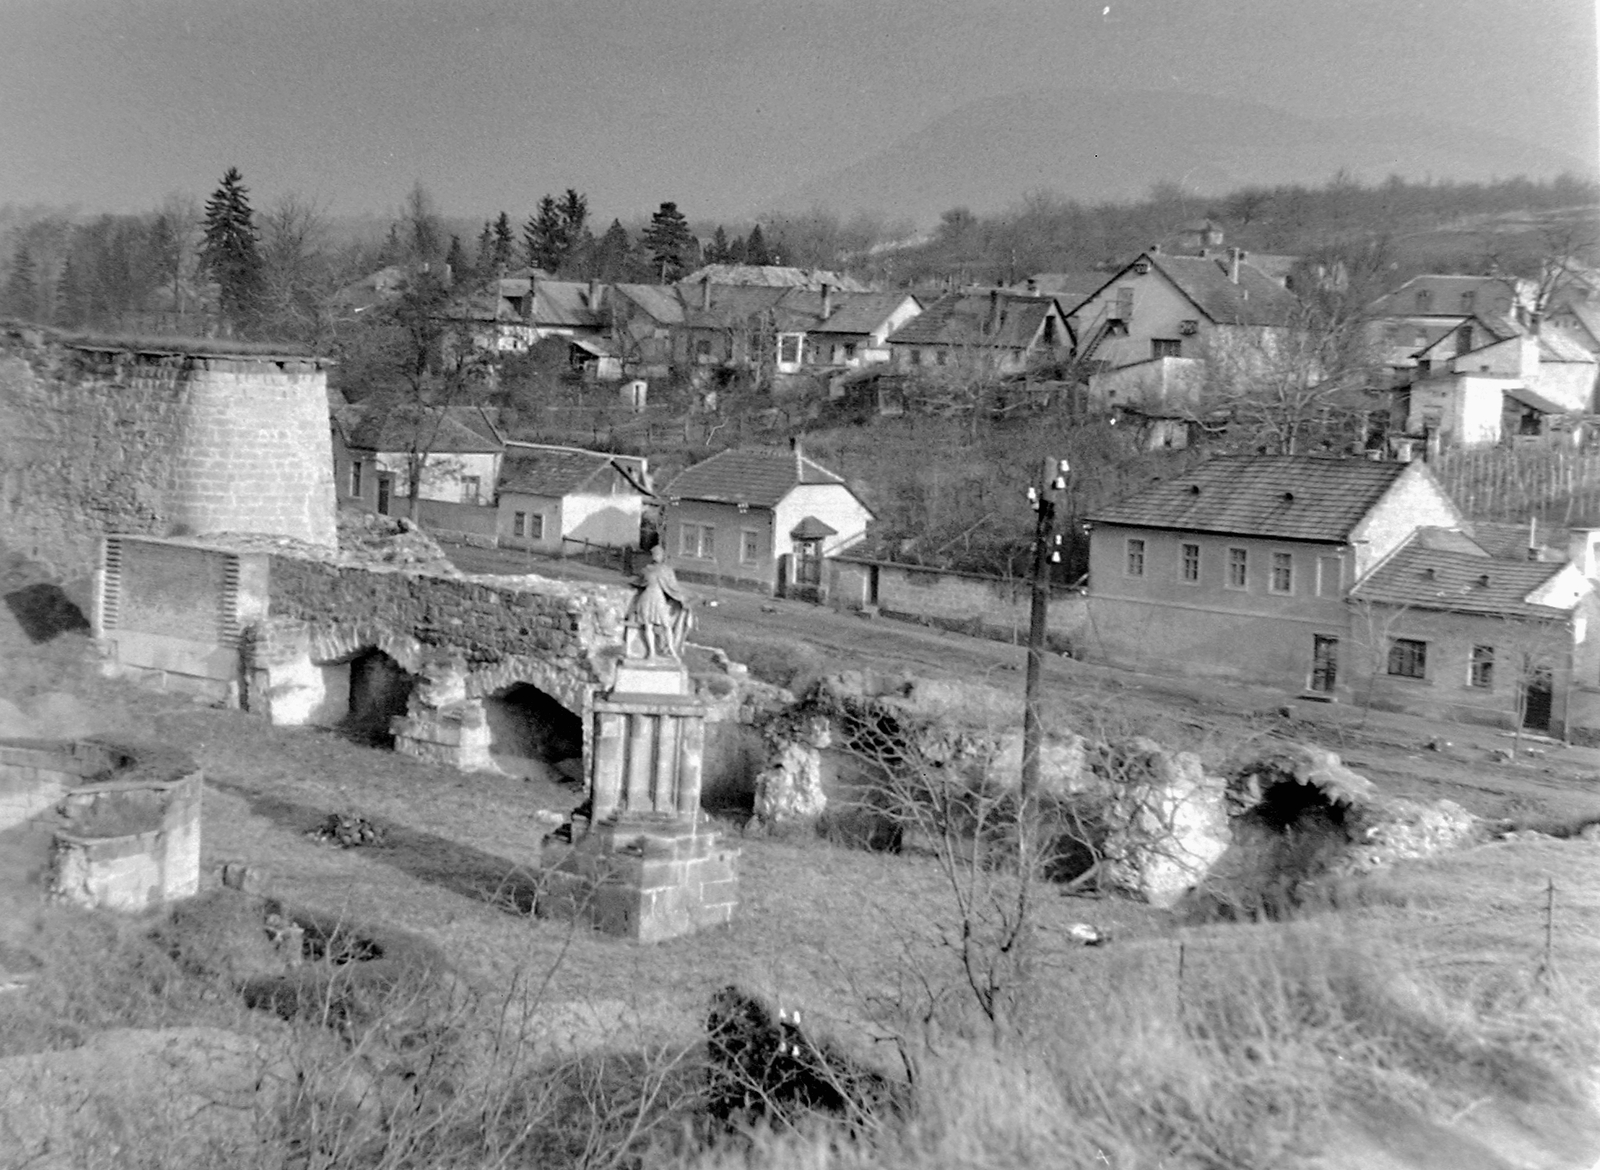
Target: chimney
(827, 301)
(533, 293)
(1033, 287)
(594, 294)
(705, 292)
(1581, 550)
(1234, 256)
(799, 460)
(1533, 539)
(994, 311)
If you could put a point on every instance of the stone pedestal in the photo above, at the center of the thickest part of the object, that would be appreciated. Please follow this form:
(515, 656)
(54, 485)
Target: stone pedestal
(642, 865)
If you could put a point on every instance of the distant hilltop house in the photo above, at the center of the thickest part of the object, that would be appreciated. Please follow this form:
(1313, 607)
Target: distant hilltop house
(1351, 580)
(760, 520)
(561, 500)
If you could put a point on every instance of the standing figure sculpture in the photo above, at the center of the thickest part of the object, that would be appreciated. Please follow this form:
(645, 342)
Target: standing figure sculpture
(661, 605)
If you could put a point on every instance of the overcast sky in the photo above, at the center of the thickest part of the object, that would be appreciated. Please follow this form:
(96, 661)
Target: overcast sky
(716, 104)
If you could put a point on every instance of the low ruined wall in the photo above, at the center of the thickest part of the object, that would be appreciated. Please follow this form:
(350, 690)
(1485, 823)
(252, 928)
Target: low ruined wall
(128, 833)
(968, 603)
(100, 439)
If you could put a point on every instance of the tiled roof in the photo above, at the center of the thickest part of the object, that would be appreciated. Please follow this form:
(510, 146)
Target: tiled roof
(758, 478)
(733, 304)
(771, 276)
(964, 318)
(1424, 578)
(1491, 294)
(1068, 287)
(812, 529)
(459, 430)
(1290, 497)
(539, 470)
(1587, 313)
(1534, 399)
(860, 312)
(660, 301)
(1256, 300)
(1509, 542)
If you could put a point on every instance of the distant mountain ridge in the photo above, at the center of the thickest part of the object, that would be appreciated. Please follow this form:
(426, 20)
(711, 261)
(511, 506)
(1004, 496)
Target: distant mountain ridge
(1094, 145)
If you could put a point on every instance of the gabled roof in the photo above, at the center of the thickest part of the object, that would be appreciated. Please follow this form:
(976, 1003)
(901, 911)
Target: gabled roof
(862, 312)
(754, 477)
(539, 470)
(659, 301)
(1288, 497)
(454, 430)
(772, 276)
(1067, 287)
(733, 304)
(1423, 578)
(1256, 300)
(1509, 542)
(1497, 294)
(993, 318)
(812, 529)
(1587, 314)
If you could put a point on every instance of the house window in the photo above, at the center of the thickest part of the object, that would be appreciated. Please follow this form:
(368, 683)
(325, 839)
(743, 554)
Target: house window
(1191, 563)
(1136, 558)
(942, 357)
(789, 348)
(849, 351)
(536, 526)
(702, 350)
(1282, 572)
(1481, 672)
(697, 540)
(1163, 347)
(355, 477)
(749, 546)
(916, 357)
(469, 489)
(1408, 658)
(1238, 568)
(1329, 576)
(519, 524)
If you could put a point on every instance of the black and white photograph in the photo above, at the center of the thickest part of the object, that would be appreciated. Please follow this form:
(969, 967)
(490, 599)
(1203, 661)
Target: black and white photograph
(799, 585)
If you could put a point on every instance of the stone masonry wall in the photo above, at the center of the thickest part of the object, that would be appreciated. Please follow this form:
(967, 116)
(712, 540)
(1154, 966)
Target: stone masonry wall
(94, 441)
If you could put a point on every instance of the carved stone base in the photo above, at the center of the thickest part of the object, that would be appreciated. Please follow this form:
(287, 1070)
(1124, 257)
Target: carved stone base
(645, 878)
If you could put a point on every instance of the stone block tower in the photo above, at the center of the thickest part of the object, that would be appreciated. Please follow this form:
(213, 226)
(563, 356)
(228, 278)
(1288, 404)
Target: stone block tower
(252, 450)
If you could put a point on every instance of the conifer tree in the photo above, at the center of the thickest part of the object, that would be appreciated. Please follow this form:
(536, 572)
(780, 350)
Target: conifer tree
(755, 248)
(483, 266)
(668, 240)
(720, 251)
(505, 246)
(456, 261)
(22, 285)
(613, 254)
(229, 250)
(542, 236)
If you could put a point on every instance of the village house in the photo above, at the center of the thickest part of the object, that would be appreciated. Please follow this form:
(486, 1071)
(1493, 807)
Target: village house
(645, 321)
(457, 450)
(515, 312)
(1147, 330)
(1442, 629)
(745, 327)
(981, 331)
(1239, 569)
(1519, 385)
(561, 500)
(761, 520)
(854, 329)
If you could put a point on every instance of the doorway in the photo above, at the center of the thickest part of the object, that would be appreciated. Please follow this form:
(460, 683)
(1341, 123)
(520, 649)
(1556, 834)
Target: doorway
(1324, 664)
(1537, 700)
(380, 690)
(385, 489)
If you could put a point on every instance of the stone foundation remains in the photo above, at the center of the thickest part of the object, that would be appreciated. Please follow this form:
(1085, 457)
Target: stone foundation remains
(121, 823)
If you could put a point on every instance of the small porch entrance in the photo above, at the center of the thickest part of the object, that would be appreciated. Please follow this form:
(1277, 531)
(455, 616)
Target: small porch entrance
(808, 537)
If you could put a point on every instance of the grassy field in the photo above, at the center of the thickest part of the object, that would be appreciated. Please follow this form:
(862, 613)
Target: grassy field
(1438, 1013)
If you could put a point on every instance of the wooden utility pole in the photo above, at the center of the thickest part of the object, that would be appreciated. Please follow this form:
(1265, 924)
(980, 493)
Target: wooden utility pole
(1046, 551)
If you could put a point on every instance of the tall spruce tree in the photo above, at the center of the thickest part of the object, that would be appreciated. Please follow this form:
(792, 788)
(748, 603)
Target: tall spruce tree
(229, 250)
(755, 248)
(543, 236)
(670, 243)
(505, 246)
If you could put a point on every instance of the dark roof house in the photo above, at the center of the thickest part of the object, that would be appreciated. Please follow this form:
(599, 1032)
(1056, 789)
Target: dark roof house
(752, 478)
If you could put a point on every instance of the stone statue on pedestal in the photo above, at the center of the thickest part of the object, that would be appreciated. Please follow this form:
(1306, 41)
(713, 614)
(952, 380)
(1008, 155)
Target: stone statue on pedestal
(660, 607)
